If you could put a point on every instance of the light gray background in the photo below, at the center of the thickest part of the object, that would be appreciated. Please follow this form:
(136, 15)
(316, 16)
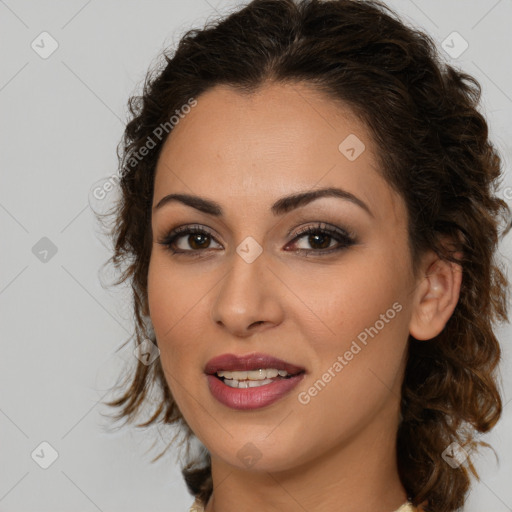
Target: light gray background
(60, 121)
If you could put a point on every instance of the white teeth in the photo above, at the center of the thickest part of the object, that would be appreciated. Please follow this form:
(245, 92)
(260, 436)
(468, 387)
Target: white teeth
(253, 375)
(233, 383)
(252, 378)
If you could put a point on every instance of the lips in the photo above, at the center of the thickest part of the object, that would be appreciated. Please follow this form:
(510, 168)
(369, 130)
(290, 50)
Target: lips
(248, 362)
(267, 391)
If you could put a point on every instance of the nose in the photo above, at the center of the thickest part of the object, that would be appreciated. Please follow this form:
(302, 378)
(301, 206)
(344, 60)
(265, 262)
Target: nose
(249, 298)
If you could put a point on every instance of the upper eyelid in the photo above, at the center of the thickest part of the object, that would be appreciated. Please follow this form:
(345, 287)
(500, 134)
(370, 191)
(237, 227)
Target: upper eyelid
(333, 230)
(315, 224)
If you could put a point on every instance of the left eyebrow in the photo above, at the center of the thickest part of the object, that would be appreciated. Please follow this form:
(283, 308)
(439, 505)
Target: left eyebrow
(280, 207)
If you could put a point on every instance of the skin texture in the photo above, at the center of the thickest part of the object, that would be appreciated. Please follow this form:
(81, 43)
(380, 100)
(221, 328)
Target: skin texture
(245, 152)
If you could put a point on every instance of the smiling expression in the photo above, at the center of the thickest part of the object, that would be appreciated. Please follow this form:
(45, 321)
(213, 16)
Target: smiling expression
(255, 268)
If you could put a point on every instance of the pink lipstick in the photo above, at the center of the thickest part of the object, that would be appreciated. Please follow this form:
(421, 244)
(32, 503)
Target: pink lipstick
(251, 381)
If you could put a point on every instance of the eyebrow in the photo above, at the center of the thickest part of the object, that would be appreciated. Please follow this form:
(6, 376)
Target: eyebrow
(280, 207)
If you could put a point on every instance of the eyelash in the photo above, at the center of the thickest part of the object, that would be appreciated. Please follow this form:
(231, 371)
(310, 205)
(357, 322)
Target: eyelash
(344, 238)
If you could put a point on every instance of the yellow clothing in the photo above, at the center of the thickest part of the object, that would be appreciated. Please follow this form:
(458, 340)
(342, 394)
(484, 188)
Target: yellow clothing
(406, 507)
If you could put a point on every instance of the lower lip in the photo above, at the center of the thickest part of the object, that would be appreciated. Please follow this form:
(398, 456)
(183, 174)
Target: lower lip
(251, 398)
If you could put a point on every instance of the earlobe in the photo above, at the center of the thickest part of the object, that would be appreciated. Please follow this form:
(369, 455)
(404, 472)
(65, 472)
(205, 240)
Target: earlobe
(435, 298)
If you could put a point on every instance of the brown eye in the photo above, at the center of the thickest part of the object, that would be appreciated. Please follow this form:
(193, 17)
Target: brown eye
(320, 237)
(320, 241)
(198, 241)
(194, 240)
(187, 239)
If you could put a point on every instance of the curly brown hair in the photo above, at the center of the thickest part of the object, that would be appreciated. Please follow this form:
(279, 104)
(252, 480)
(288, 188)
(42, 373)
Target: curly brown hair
(434, 150)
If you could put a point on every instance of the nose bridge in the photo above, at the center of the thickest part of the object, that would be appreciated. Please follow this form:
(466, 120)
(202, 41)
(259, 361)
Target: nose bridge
(246, 295)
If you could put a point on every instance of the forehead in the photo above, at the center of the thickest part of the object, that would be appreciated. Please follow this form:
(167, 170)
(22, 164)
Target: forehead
(258, 147)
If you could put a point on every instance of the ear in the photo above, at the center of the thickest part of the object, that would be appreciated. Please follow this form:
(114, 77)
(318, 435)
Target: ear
(435, 296)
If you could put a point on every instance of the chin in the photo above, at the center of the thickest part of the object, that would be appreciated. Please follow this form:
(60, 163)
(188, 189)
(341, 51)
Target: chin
(265, 455)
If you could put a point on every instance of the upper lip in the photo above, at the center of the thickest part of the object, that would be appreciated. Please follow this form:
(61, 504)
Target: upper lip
(247, 362)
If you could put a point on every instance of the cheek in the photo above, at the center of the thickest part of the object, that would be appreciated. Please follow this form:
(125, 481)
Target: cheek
(358, 373)
(343, 302)
(167, 299)
(169, 294)
(361, 317)
(177, 305)
(161, 304)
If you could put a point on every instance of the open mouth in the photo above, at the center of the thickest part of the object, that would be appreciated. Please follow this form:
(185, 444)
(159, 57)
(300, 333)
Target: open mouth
(253, 378)
(251, 381)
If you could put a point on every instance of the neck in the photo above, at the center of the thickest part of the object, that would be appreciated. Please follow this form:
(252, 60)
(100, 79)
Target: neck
(359, 474)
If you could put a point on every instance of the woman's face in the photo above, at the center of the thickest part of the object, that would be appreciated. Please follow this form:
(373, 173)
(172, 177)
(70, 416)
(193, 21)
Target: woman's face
(334, 305)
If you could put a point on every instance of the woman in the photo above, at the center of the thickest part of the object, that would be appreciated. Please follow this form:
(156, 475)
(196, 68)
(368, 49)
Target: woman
(309, 224)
